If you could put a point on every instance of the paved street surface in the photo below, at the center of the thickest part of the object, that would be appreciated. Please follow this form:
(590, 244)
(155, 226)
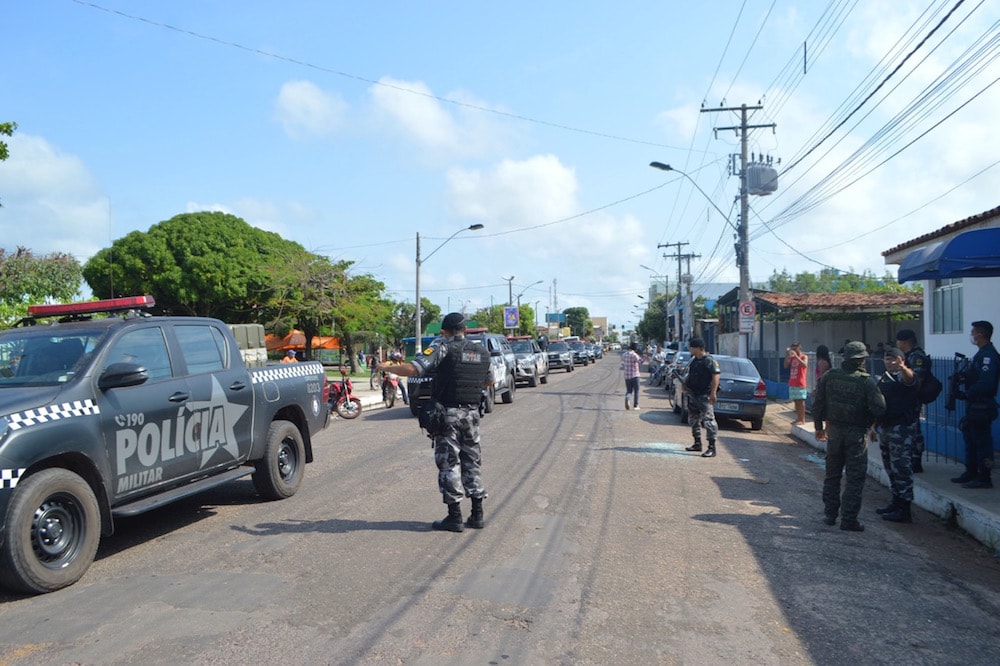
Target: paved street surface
(605, 543)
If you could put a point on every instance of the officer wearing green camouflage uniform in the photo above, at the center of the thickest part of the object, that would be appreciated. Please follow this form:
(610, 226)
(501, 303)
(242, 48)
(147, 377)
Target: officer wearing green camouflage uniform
(461, 370)
(847, 400)
(898, 429)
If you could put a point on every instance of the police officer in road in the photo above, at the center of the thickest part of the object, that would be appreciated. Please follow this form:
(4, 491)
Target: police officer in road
(898, 428)
(918, 361)
(980, 382)
(702, 382)
(461, 370)
(848, 401)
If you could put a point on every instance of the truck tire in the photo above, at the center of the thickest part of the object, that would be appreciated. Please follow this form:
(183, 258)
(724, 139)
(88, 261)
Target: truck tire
(533, 380)
(545, 378)
(491, 399)
(508, 395)
(53, 528)
(279, 473)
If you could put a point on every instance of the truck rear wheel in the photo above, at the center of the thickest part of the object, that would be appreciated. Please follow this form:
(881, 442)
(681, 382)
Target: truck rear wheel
(53, 528)
(279, 474)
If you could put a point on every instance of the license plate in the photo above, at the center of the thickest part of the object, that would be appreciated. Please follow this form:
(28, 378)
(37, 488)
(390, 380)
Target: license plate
(727, 407)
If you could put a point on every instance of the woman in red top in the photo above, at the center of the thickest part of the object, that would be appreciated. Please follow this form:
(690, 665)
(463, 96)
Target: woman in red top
(797, 364)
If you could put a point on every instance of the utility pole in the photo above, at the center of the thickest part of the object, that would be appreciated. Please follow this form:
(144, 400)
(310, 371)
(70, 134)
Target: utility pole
(678, 322)
(689, 301)
(743, 244)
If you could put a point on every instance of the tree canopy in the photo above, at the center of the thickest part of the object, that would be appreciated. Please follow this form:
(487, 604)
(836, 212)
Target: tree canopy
(27, 279)
(6, 129)
(578, 320)
(207, 264)
(830, 280)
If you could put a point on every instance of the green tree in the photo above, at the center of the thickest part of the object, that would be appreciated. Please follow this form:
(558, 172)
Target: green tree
(6, 129)
(207, 264)
(27, 279)
(830, 280)
(578, 320)
(490, 318)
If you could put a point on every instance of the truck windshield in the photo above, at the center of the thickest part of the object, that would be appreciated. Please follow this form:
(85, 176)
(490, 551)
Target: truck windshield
(28, 358)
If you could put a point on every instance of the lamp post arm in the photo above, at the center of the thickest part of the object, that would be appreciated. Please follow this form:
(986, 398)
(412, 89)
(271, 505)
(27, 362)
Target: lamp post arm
(666, 167)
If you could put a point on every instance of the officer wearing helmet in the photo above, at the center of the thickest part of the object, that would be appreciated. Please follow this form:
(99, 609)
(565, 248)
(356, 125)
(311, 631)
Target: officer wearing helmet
(848, 402)
(461, 371)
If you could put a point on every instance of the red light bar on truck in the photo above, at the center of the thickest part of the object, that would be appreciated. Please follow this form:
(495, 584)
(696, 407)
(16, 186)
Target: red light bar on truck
(89, 307)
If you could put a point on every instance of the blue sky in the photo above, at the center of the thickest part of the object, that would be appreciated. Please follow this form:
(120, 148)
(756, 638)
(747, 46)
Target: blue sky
(351, 127)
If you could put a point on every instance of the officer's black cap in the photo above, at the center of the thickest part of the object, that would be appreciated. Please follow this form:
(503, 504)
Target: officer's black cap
(906, 334)
(453, 321)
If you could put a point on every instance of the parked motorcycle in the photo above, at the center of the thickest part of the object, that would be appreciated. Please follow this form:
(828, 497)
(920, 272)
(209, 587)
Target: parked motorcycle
(342, 399)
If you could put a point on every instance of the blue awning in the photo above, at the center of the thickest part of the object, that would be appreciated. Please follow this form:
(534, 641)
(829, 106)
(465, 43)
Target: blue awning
(971, 254)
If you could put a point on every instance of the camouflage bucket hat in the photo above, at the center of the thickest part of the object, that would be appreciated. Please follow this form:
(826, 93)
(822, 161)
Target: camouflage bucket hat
(855, 350)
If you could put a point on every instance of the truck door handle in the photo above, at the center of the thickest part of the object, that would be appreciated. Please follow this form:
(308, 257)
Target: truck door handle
(179, 396)
(237, 386)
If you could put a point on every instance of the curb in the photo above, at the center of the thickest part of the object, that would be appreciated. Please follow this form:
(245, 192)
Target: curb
(977, 520)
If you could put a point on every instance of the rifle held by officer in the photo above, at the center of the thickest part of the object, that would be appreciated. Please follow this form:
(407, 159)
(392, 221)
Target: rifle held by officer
(956, 379)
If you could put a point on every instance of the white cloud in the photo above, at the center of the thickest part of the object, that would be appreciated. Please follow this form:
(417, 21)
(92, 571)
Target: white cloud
(447, 131)
(51, 201)
(305, 110)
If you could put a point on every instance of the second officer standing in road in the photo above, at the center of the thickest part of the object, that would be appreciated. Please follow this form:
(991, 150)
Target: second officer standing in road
(702, 382)
(461, 370)
(848, 401)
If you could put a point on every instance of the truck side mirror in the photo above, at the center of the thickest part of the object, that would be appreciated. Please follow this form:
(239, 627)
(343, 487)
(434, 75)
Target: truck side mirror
(119, 375)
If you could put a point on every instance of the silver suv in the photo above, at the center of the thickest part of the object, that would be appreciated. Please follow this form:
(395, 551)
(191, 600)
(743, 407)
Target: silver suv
(532, 362)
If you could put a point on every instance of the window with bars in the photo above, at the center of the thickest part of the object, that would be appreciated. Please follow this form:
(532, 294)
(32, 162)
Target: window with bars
(947, 306)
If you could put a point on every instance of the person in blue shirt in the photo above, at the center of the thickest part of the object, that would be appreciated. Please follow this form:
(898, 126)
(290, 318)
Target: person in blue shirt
(980, 409)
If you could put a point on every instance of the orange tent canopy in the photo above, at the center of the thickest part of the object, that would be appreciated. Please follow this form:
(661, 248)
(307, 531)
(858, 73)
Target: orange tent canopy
(297, 340)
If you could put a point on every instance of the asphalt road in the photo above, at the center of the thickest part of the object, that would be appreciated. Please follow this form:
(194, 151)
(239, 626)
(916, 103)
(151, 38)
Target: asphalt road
(605, 543)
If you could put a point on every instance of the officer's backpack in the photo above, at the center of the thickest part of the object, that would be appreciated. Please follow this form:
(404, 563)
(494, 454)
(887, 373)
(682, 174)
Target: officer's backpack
(930, 389)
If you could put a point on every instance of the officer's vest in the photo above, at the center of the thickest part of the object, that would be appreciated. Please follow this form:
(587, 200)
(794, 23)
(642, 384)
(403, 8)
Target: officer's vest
(846, 399)
(699, 377)
(460, 377)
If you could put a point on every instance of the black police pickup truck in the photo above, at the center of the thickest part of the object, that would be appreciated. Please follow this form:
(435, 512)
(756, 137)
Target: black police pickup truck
(115, 415)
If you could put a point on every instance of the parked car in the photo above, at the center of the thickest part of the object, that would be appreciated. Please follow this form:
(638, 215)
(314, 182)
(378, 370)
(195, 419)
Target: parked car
(560, 356)
(580, 353)
(598, 350)
(742, 393)
(532, 362)
(504, 366)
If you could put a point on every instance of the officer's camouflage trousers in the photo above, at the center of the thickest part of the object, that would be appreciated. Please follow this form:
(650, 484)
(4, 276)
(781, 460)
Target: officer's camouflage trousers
(458, 456)
(701, 413)
(898, 445)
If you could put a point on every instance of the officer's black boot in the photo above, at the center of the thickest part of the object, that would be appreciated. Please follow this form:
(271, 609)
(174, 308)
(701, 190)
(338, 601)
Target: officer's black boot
(918, 464)
(710, 453)
(476, 517)
(900, 515)
(892, 506)
(694, 447)
(453, 523)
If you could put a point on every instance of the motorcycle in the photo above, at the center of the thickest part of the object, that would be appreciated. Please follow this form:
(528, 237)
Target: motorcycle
(390, 386)
(342, 399)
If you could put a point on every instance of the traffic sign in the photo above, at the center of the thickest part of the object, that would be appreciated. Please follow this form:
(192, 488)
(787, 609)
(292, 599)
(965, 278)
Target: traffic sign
(748, 311)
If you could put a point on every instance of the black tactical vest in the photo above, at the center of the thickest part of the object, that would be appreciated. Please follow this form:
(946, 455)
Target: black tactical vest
(460, 378)
(700, 373)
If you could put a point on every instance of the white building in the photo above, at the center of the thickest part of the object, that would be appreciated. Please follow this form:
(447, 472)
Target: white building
(959, 265)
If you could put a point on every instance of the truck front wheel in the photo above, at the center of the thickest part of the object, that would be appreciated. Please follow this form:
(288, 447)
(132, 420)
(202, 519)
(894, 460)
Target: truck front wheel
(53, 528)
(279, 473)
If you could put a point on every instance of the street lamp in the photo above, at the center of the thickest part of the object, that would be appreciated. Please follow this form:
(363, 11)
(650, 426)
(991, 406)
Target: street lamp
(418, 345)
(525, 290)
(743, 247)
(510, 290)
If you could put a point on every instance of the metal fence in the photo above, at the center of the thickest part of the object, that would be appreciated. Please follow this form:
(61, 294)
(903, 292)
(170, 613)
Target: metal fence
(942, 438)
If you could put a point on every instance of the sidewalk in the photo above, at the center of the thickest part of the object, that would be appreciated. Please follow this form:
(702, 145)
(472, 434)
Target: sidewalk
(974, 511)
